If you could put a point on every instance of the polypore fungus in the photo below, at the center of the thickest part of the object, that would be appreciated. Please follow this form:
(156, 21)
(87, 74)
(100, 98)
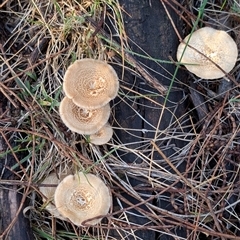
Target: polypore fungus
(81, 197)
(209, 53)
(83, 121)
(90, 83)
(102, 136)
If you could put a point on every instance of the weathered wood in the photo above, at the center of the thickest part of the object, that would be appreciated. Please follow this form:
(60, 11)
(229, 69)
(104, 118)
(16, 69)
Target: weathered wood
(10, 202)
(149, 28)
(13, 225)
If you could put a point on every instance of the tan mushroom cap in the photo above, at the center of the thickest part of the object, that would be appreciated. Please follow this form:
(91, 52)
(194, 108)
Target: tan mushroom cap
(83, 121)
(82, 196)
(90, 83)
(102, 136)
(49, 191)
(214, 44)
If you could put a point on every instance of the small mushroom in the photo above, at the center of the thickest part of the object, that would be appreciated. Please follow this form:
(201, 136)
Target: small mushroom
(82, 196)
(83, 121)
(51, 182)
(210, 53)
(90, 83)
(102, 136)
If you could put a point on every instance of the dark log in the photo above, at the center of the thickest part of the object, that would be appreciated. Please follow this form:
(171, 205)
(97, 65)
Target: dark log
(150, 29)
(10, 204)
(199, 103)
(13, 225)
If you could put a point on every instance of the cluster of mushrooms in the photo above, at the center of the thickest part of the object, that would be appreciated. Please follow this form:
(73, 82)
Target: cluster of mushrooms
(89, 85)
(81, 198)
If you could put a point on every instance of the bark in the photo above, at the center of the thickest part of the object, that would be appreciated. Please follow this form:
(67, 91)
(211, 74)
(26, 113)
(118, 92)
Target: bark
(150, 29)
(13, 225)
(10, 201)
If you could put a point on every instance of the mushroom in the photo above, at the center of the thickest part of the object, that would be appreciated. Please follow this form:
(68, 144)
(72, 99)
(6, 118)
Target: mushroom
(49, 185)
(209, 53)
(102, 136)
(81, 197)
(90, 83)
(81, 120)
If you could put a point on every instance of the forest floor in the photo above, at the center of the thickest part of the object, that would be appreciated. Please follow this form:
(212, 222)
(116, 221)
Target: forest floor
(39, 39)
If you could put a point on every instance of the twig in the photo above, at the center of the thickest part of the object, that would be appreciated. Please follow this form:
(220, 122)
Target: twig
(3, 3)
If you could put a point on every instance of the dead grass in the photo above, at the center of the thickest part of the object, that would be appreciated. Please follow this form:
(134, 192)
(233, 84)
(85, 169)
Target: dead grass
(39, 40)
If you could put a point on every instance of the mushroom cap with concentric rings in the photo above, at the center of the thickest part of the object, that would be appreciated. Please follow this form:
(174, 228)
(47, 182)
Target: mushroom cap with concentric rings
(90, 83)
(82, 196)
(83, 121)
(210, 53)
